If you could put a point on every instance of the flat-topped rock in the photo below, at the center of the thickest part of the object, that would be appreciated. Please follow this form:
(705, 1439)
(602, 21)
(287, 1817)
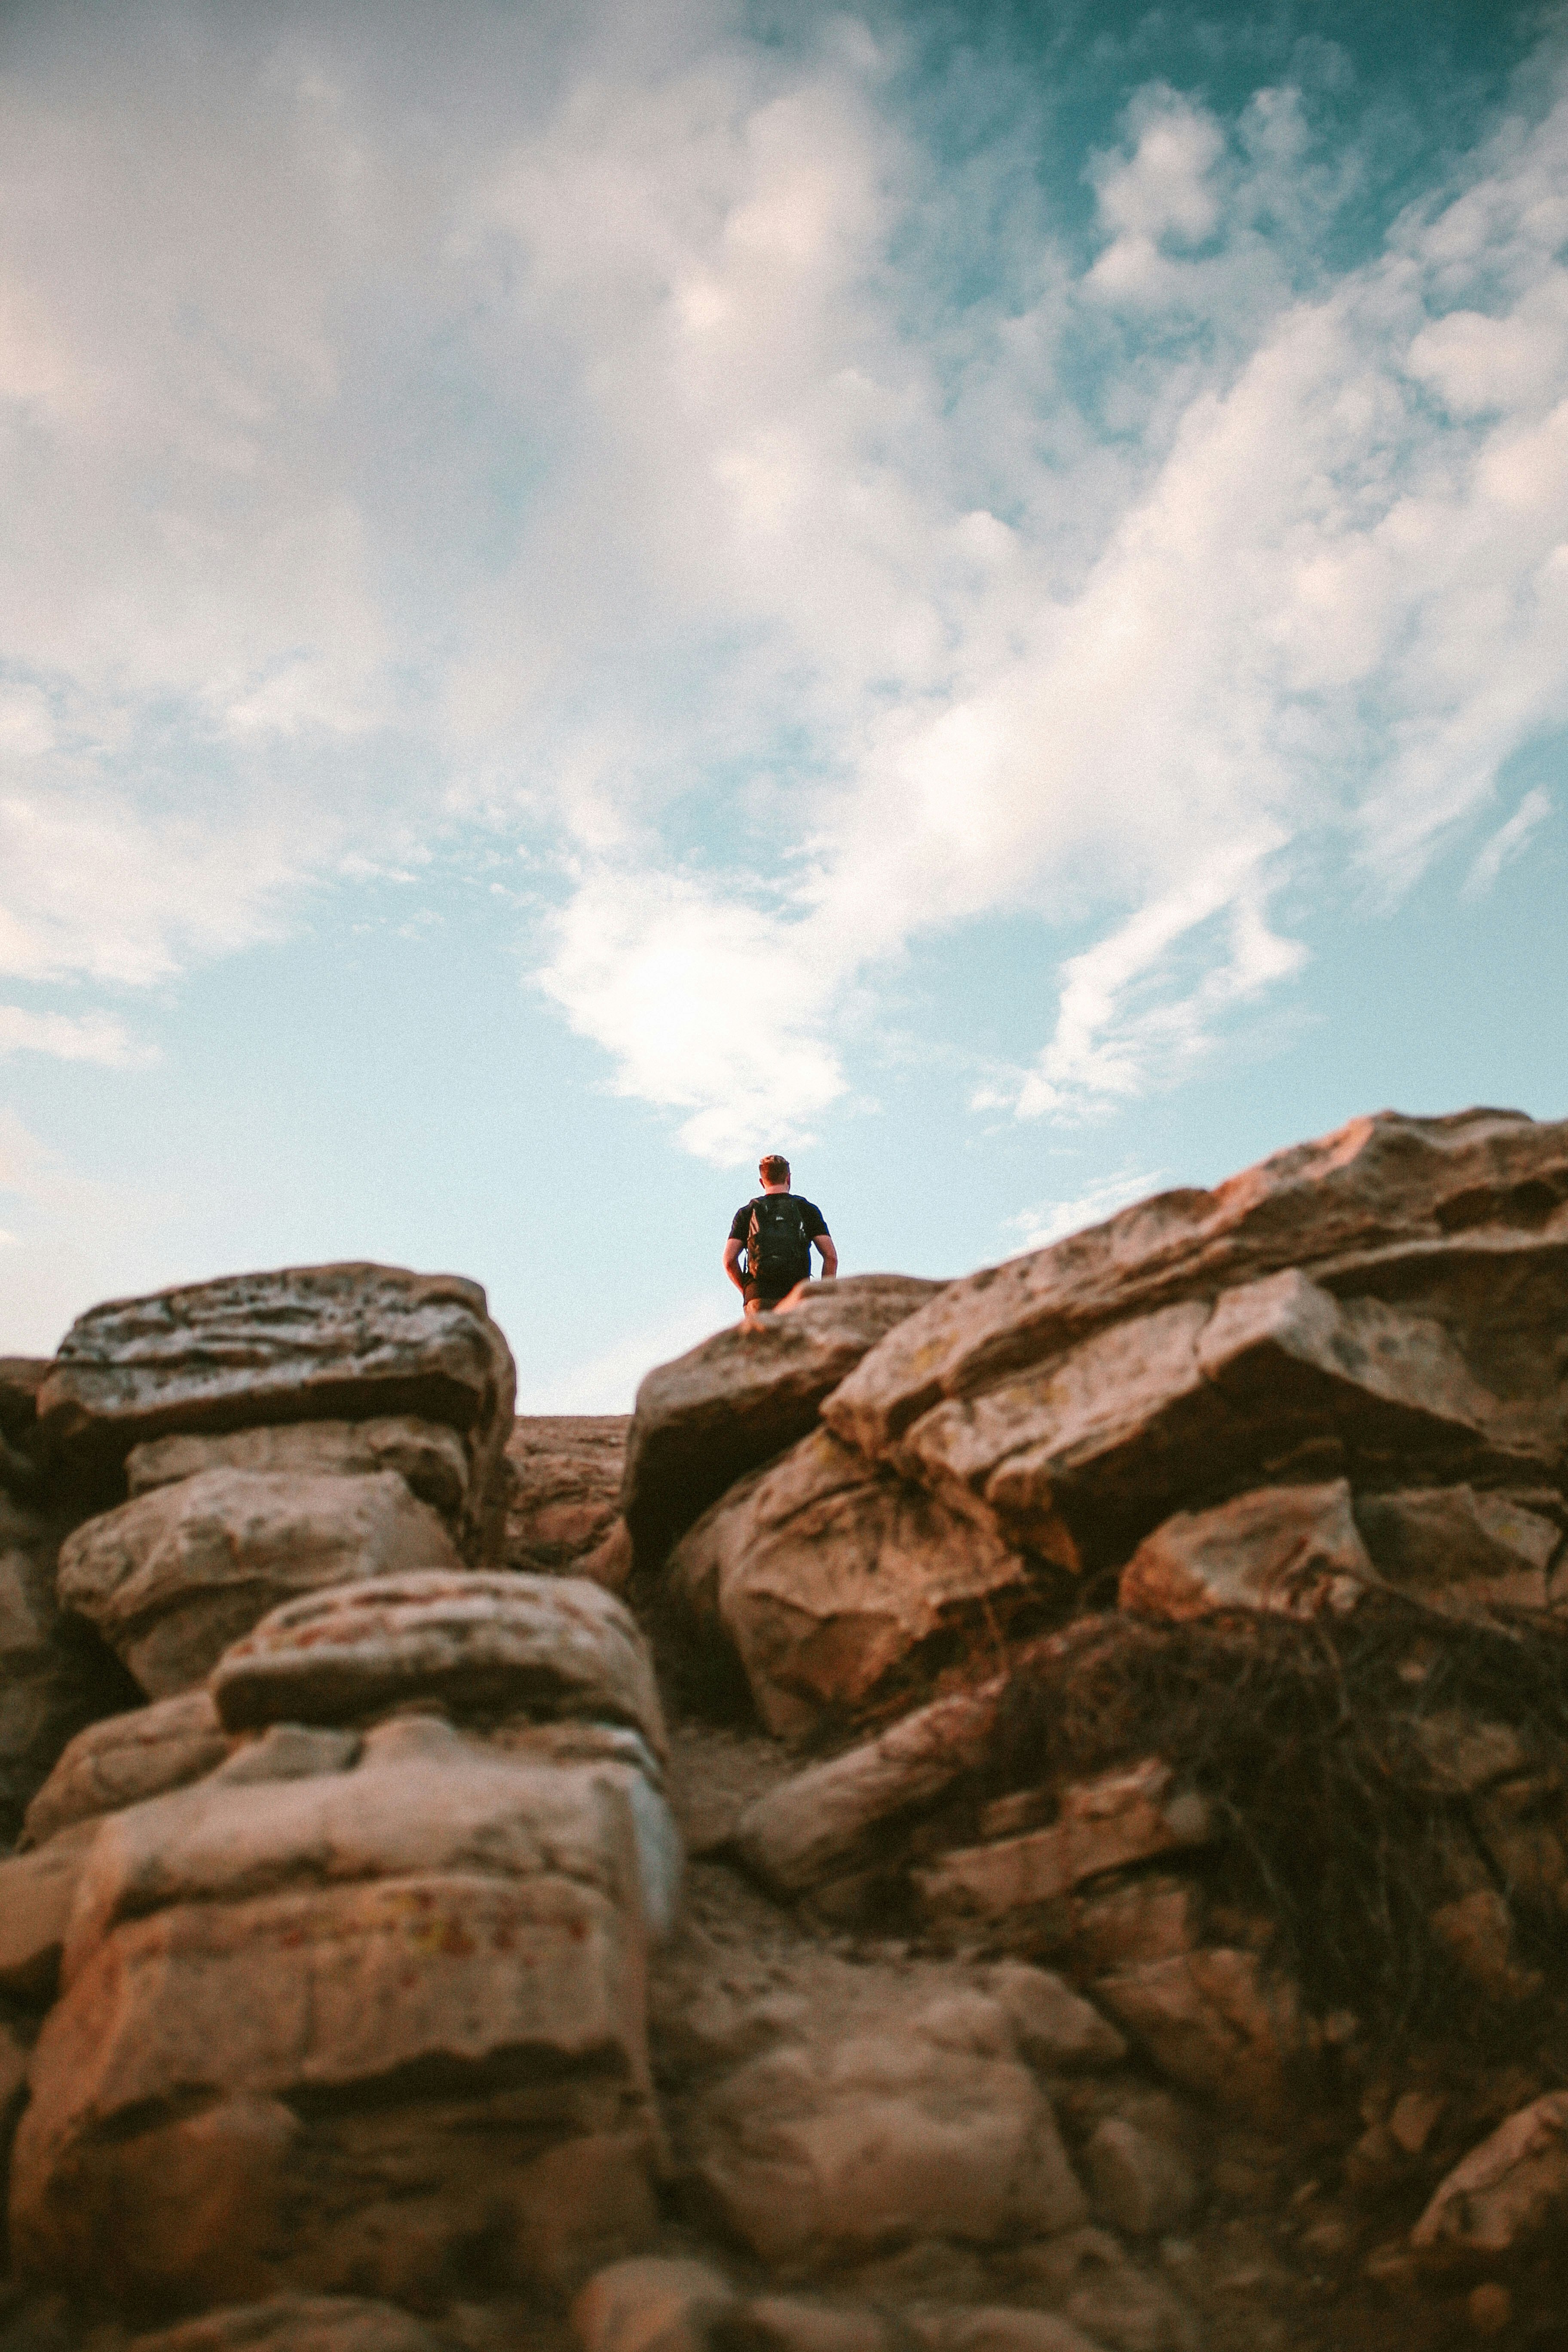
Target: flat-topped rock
(128, 1758)
(1428, 1210)
(173, 1579)
(1081, 1458)
(316, 2032)
(562, 1475)
(351, 1342)
(744, 1395)
(484, 1646)
(426, 1455)
(834, 1581)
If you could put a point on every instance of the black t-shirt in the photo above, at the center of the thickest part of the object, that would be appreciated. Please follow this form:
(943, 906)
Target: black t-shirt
(811, 1217)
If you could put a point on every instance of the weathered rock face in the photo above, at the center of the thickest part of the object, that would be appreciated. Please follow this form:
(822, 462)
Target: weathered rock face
(55, 1675)
(128, 1758)
(172, 1579)
(429, 1457)
(310, 1343)
(315, 2034)
(832, 1582)
(1459, 1219)
(1080, 1459)
(36, 1891)
(562, 1477)
(485, 1647)
(743, 1396)
(1292, 1548)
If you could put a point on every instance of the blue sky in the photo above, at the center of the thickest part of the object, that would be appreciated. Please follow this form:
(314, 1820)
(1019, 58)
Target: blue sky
(978, 593)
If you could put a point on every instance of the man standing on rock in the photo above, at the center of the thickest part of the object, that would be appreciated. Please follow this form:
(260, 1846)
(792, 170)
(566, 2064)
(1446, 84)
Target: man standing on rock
(776, 1231)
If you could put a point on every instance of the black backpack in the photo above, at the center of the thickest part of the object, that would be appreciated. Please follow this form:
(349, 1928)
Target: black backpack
(778, 1251)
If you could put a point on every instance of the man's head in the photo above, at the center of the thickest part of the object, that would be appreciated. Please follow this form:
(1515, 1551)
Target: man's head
(774, 1170)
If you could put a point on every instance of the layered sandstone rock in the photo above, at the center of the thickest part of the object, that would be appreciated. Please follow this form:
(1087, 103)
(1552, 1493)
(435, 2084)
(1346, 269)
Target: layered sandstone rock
(1461, 1218)
(744, 1395)
(172, 1579)
(487, 1647)
(834, 1581)
(562, 1475)
(428, 1456)
(352, 1342)
(315, 2034)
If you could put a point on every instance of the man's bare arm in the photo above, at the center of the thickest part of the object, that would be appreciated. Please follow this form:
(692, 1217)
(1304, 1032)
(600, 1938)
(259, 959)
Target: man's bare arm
(732, 1249)
(824, 1244)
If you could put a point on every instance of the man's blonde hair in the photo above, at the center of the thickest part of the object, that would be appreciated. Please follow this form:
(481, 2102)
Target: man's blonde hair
(774, 1167)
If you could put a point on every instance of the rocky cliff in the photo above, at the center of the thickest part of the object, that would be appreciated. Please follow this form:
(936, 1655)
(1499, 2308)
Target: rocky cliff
(1018, 1816)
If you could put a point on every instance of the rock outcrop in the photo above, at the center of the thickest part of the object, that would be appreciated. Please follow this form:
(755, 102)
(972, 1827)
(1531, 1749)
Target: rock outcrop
(746, 1395)
(310, 1343)
(172, 1579)
(1166, 1949)
(835, 1582)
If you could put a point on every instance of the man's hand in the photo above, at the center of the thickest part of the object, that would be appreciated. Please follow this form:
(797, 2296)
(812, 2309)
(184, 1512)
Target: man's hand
(829, 1256)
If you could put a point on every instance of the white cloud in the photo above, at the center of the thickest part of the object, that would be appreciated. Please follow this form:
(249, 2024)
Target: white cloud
(82, 1037)
(1507, 842)
(593, 425)
(1052, 1221)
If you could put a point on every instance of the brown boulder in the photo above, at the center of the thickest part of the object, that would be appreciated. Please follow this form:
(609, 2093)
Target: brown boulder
(173, 1579)
(55, 1674)
(840, 1817)
(1462, 1216)
(913, 2119)
(325, 2033)
(426, 1455)
(744, 1395)
(563, 1482)
(1291, 1551)
(485, 1647)
(351, 1342)
(128, 1758)
(1080, 1459)
(835, 1582)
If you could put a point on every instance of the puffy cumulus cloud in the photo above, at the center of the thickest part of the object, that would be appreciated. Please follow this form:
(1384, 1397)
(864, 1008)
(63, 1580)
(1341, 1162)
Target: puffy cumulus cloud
(678, 985)
(649, 443)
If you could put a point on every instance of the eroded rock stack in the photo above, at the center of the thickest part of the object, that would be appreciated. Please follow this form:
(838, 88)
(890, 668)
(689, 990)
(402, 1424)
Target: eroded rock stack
(326, 1968)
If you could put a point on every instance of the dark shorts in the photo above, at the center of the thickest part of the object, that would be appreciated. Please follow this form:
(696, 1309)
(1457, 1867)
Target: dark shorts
(754, 1295)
